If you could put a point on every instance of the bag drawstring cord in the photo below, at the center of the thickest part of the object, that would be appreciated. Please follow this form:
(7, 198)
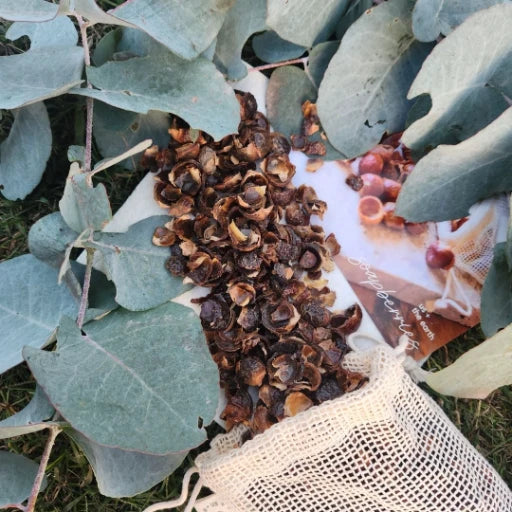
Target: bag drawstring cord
(453, 282)
(164, 505)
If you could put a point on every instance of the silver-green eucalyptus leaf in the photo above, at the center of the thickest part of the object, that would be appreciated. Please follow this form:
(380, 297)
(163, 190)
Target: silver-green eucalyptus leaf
(244, 19)
(354, 11)
(470, 171)
(358, 103)
(89, 10)
(23, 155)
(31, 304)
(17, 475)
(319, 58)
(305, 22)
(27, 10)
(84, 206)
(76, 154)
(467, 76)
(269, 47)
(186, 28)
(30, 419)
(496, 310)
(137, 266)
(54, 33)
(431, 18)
(153, 378)
(194, 90)
(121, 473)
(479, 371)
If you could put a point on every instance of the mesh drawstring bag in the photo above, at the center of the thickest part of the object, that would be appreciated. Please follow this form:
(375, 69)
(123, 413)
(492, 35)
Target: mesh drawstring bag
(473, 247)
(387, 447)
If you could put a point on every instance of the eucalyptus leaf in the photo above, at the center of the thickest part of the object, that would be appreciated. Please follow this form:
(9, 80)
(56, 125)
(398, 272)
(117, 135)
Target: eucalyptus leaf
(115, 131)
(269, 47)
(27, 10)
(110, 162)
(496, 310)
(106, 47)
(467, 76)
(23, 155)
(89, 10)
(305, 22)
(355, 10)
(319, 58)
(186, 28)
(76, 153)
(121, 473)
(151, 372)
(244, 19)
(479, 371)
(195, 90)
(431, 18)
(83, 206)
(288, 88)
(54, 33)
(372, 101)
(470, 171)
(30, 419)
(49, 238)
(137, 266)
(31, 304)
(17, 475)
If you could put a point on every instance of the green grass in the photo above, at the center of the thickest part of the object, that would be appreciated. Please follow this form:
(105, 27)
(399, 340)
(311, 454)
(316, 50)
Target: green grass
(486, 423)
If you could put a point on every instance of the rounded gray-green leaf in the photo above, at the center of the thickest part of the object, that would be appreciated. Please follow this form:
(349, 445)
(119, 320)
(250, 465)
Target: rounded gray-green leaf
(28, 10)
(31, 305)
(319, 58)
(362, 95)
(23, 155)
(135, 381)
(431, 18)
(244, 19)
(305, 22)
(467, 76)
(354, 11)
(17, 475)
(120, 473)
(450, 179)
(137, 266)
(57, 32)
(269, 47)
(193, 90)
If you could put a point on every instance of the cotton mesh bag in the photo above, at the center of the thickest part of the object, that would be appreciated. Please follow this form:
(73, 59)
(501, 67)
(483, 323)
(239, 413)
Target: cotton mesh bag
(387, 447)
(473, 247)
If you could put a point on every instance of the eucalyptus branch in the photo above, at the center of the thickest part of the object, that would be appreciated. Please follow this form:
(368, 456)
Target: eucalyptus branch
(302, 61)
(86, 286)
(89, 102)
(54, 432)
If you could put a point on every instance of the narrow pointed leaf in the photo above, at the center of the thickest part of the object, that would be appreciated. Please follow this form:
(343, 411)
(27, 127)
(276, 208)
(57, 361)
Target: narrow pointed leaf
(115, 131)
(496, 297)
(244, 19)
(186, 28)
(470, 171)
(269, 47)
(27, 10)
(137, 266)
(319, 58)
(479, 371)
(83, 206)
(305, 22)
(135, 150)
(54, 33)
(152, 376)
(121, 473)
(373, 100)
(30, 419)
(467, 76)
(23, 155)
(195, 90)
(431, 18)
(355, 10)
(31, 304)
(89, 10)
(17, 475)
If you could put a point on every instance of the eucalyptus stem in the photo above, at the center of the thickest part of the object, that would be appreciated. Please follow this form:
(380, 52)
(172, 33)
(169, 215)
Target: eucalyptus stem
(89, 101)
(54, 432)
(85, 289)
(279, 64)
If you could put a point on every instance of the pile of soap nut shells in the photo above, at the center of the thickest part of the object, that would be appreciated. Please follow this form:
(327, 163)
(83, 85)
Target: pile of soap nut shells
(241, 228)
